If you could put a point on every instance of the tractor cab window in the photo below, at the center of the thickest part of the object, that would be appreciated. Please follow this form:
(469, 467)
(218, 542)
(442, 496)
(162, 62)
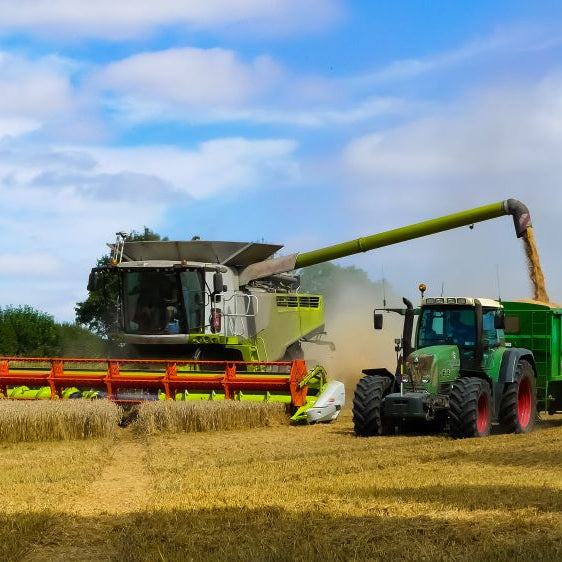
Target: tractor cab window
(489, 332)
(447, 325)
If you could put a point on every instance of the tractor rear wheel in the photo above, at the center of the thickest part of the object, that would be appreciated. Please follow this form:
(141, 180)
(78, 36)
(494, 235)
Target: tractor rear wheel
(470, 408)
(368, 419)
(518, 407)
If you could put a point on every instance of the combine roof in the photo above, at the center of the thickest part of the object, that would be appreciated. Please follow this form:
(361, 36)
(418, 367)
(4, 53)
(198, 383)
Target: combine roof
(238, 254)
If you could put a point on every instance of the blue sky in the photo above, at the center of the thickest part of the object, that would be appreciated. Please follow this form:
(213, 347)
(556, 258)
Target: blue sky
(266, 119)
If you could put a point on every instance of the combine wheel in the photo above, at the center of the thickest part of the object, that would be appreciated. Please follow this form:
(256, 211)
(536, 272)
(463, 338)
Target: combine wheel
(367, 406)
(470, 413)
(518, 407)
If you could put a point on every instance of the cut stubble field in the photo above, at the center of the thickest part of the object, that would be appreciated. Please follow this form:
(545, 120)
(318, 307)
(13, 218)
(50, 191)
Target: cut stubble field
(284, 493)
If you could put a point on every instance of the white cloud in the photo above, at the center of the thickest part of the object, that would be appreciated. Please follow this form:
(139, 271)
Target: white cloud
(215, 85)
(133, 18)
(508, 40)
(219, 165)
(189, 77)
(33, 88)
(15, 127)
(504, 131)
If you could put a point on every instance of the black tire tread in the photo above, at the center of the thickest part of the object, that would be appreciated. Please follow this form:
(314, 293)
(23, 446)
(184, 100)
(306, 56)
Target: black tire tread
(368, 419)
(463, 406)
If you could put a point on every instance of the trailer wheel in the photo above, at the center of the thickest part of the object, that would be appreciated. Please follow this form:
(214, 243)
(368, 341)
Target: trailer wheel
(368, 419)
(518, 407)
(470, 408)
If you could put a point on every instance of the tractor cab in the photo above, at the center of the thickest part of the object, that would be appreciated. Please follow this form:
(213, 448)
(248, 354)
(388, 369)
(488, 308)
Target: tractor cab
(466, 329)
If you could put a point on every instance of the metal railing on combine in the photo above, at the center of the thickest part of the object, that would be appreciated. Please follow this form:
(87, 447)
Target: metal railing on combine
(165, 378)
(242, 306)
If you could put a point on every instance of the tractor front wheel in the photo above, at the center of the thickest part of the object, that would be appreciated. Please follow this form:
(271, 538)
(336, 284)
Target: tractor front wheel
(470, 408)
(368, 418)
(518, 407)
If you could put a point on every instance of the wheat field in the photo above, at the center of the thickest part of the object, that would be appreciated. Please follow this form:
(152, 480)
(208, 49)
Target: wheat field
(170, 416)
(284, 493)
(53, 420)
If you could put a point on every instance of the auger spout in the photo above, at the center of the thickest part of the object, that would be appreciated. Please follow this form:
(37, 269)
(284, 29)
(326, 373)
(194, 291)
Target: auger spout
(513, 207)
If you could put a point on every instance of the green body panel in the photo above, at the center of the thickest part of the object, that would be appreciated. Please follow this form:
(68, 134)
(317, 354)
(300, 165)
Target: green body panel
(537, 327)
(398, 235)
(444, 367)
(284, 319)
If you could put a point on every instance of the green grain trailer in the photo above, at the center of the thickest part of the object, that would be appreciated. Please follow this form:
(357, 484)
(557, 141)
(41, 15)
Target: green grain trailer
(537, 326)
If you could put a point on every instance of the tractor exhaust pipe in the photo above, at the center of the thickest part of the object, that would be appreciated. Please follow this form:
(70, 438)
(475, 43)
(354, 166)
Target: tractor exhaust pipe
(408, 329)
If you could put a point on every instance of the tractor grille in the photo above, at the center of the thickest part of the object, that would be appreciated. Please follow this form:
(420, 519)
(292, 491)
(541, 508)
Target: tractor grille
(298, 301)
(416, 367)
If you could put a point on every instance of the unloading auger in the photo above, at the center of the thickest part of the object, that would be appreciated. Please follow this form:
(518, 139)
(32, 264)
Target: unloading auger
(205, 320)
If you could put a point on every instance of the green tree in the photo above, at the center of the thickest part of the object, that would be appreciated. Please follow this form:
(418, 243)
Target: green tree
(98, 313)
(8, 339)
(28, 332)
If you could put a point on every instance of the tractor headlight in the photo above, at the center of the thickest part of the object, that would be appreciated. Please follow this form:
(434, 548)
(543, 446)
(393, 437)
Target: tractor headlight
(405, 377)
(425, 379)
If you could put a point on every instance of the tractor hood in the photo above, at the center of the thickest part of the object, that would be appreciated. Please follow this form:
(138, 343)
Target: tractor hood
(431, 367)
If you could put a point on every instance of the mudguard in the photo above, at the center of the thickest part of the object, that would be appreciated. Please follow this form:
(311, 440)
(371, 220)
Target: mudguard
(507, 374)
(381, 372)
(509, 363)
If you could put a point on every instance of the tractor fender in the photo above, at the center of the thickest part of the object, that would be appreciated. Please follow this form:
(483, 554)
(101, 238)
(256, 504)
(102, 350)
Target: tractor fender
(380, 372)
(509, 363)
(507, 373)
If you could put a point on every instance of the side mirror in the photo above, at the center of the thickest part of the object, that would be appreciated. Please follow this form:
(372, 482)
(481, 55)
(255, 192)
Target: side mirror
(378, 321)
(93, 281)
(499, 321)
(218, 284)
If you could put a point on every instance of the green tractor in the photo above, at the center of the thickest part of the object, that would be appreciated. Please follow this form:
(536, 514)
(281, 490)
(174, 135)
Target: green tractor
(460, 372)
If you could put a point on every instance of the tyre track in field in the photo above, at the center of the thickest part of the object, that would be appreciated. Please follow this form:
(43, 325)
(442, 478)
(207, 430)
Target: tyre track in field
(91, 520)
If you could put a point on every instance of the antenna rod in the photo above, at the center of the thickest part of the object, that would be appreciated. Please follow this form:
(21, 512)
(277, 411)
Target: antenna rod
(383, 288)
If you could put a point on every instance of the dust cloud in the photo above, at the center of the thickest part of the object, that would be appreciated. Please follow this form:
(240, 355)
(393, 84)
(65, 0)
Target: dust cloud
(535, 272)
(349, 325)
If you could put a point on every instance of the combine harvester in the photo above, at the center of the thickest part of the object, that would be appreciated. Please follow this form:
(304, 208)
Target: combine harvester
(205, 320)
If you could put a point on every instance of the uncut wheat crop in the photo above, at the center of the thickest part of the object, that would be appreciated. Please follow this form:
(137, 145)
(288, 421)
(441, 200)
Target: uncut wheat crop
(57, 420)
(175, 417)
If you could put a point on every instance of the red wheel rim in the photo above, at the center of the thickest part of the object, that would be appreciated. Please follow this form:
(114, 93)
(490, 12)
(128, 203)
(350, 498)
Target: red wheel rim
(483, 414)
(524, 403)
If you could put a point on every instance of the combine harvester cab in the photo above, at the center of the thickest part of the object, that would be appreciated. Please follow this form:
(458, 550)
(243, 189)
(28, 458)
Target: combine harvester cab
(207, 320)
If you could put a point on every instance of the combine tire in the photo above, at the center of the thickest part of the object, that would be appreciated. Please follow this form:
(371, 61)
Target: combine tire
(367, 406)
(470, 408)
(518, 407)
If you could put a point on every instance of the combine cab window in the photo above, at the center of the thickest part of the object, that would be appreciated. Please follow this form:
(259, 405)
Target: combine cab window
(163, 302)
(193, 298)
(151, 302)
(439, 326)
